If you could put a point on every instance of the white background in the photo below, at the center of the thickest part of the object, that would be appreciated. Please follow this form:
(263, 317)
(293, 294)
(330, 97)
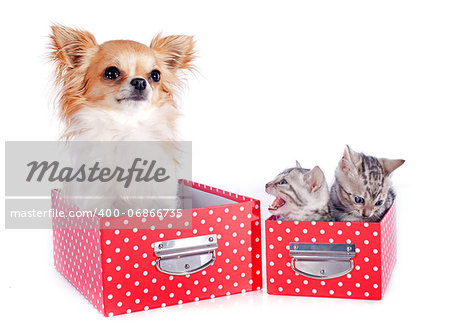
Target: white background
(277, 81)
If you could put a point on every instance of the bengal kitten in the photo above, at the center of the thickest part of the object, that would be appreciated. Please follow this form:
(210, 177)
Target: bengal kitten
(362, 191)
(301, 194)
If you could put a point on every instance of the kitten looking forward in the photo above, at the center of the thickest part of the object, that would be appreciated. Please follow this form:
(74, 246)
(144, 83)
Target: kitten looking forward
(301, 194)
(362, 190)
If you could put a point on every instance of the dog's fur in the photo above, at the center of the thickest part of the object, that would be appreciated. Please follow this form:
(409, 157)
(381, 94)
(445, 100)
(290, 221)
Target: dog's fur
(94, 107)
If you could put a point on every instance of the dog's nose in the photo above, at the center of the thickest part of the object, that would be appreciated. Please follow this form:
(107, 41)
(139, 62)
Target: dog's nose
(139, 83)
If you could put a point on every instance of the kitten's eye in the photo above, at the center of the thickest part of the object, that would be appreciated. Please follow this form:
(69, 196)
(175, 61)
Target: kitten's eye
(283, 182)
(155, 75)
(379, 203)
(359, 200)
(112, 73)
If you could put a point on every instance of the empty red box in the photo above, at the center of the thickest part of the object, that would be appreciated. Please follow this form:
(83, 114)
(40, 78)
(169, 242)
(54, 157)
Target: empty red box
(123, 270)
(330, 259)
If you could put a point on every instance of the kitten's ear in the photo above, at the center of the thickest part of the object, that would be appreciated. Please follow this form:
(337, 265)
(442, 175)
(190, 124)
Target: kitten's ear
(349, 160)
(298, 164)
(70, 47)
(177, 51)
(314, 179)
(391, 165)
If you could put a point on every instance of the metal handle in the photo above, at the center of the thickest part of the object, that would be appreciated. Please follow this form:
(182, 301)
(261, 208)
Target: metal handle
(186, 256)
(322, 260)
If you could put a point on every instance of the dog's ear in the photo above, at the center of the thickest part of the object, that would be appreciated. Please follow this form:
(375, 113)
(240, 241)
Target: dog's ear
(70, 47)
(177, 51)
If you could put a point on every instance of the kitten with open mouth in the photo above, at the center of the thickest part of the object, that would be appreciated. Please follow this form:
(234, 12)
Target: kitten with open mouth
(300, 194)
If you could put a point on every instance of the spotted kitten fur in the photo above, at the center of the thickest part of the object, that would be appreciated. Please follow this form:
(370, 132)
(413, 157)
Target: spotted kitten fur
(301, 194)
(362, 190)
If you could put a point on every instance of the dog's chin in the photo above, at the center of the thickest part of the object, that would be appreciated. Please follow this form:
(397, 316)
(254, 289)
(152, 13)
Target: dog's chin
(133, 102)
(133, 99)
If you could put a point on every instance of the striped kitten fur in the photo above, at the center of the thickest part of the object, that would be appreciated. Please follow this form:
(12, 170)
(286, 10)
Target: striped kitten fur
(362, 190)
(301, 194)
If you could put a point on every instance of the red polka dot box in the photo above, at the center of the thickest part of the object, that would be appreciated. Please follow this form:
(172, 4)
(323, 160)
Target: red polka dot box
(330, 259)
(123, 270)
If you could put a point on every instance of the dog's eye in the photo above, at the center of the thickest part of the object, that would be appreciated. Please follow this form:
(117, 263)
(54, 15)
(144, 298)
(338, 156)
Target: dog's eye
(359, 200)
(112, 73)
(155, 75)
(283, 182)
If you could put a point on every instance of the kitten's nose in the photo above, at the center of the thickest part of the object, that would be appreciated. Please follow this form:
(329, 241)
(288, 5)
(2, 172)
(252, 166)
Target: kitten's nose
(139, 83)
(267, 185)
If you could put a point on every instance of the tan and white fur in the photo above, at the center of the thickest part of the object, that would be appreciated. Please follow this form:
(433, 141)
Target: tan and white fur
(120, 91)
(301, 194)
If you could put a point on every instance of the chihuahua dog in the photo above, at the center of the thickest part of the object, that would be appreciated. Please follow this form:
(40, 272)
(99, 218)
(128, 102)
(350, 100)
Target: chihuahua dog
(120, 91)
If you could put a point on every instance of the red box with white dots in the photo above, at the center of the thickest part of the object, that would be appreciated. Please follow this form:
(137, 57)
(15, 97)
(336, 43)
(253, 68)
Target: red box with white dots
(330, 259)
(123, 270)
